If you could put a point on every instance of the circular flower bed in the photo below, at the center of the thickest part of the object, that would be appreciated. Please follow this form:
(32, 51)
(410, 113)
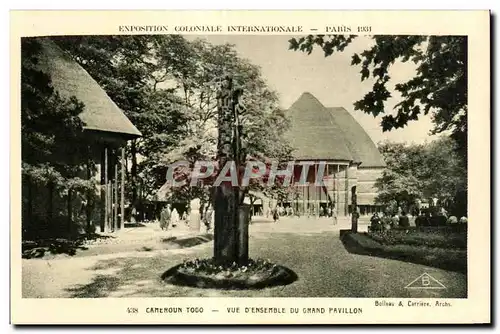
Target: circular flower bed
(204, 273)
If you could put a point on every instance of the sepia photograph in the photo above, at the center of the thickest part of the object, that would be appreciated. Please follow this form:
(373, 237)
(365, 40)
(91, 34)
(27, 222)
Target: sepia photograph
(250, 167)
(244, 166)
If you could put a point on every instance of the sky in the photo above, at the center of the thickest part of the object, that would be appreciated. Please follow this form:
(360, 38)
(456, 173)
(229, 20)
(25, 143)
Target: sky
(332, 80)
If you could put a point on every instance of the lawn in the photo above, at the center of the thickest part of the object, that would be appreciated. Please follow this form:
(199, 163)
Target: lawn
(438, 239)
(431, 249)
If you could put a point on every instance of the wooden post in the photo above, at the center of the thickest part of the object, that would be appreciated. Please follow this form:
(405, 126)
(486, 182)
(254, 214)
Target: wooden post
(88, 207)
(303, 186)
(115, 202)
(318, 190)
(295, 194)
(122, 190)
(102, 189)
(225, 229)
(106, 200)
(308, 193)
(243, 221)
(334, 203)
(347, 190)
(337, 190)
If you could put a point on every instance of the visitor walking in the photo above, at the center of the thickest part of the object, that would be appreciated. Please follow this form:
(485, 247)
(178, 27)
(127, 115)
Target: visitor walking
(276, 215)
(375, 222)
(174, 218)
(208, 218)
(165, 217)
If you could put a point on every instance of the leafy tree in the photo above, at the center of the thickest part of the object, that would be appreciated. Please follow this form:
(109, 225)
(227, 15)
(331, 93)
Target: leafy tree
(401, 180)
(129, 69)
(53, 149)
(439, 86)
(424, 171)
(263, 124)
(167, 86)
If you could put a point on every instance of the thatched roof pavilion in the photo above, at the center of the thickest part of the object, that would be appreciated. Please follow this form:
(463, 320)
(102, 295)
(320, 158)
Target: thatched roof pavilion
(106, 131)
(320, 133)
(100, 114)
(332, 135)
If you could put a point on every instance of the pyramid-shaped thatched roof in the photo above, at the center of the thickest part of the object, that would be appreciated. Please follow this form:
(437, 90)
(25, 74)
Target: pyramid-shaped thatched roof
(70, 79)
(359, 142)
(320, 133)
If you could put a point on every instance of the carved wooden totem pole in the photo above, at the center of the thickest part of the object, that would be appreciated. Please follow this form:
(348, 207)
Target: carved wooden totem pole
(230, 233)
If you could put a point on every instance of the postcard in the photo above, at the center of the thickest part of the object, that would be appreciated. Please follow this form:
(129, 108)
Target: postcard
(250, 167)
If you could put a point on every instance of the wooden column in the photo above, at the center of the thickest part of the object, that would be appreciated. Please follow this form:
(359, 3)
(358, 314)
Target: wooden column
(347, 190)
(115, 202)
(122, 190)
(102, 190)
(337, 191)
(106, 185)
(88, 207)
(317, 191)
(294, 193)
(308, 192)
(303, 186)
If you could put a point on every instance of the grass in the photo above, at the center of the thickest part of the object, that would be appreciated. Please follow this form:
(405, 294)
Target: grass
(70, 246)
(453, 259)
(434, 239)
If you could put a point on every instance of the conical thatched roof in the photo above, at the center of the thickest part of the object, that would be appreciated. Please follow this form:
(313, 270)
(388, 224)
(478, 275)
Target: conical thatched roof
(313, 133)
(359, 142)
(70, 79)
(320, 133)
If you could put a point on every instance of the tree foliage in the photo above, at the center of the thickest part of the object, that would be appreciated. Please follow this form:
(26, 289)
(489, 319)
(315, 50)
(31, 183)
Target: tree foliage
(439, 86)
(53, 151)
(129, 70)
(167, 86)
(422, 171)
(263, 123)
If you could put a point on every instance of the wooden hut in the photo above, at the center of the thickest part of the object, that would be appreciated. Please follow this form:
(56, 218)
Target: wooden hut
(106, 130)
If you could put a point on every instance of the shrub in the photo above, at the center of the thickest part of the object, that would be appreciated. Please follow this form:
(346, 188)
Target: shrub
(444, 258)
(436, 238)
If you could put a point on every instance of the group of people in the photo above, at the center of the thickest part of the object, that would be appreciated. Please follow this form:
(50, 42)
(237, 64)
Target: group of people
(440, 218)
(424, 218)
(383, 221)
(281, 211)
(170, 217)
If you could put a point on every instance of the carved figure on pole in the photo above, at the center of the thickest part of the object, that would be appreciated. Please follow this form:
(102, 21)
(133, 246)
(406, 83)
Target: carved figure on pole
(228, 234)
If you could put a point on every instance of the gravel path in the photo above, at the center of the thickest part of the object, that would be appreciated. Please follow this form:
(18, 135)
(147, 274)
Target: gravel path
(312, 249)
